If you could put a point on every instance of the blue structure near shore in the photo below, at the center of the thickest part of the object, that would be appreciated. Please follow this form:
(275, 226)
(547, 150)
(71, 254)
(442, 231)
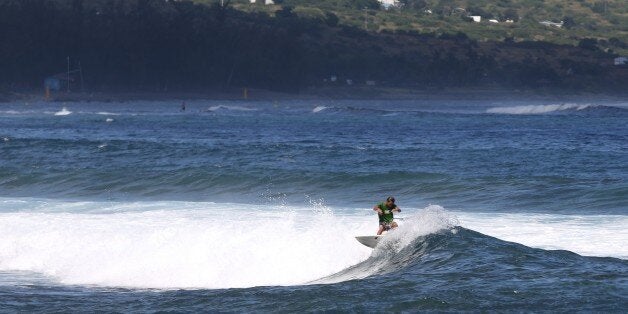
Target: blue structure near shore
(52, 83)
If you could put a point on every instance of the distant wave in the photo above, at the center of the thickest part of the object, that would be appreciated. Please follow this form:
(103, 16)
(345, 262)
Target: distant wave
(229, 108)
(360, 110)
(63, 112)
(544, 109)
(319, 109)
(12, 112)
(105, 113)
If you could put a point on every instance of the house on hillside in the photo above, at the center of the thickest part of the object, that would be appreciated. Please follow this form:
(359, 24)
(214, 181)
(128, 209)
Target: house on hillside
(550, 23)
(266, 2)
(621, 61)
(476, 18)
(388, 3)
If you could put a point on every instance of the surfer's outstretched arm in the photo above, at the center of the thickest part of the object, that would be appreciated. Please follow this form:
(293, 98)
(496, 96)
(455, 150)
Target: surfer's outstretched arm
(379, 211)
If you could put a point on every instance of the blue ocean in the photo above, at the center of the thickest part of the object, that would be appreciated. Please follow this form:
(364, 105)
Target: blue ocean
(254, 206)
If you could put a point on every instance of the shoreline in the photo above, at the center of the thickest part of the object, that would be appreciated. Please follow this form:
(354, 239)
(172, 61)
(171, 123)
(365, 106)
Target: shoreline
(318, 93)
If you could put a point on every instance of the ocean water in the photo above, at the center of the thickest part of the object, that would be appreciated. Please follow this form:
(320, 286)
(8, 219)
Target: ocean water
(509, 205)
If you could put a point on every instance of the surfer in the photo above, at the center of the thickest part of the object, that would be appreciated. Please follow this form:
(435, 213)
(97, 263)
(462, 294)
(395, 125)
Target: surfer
(385, 212)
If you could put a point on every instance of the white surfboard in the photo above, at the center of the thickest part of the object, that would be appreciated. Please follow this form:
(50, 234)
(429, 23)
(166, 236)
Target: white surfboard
(370, 241)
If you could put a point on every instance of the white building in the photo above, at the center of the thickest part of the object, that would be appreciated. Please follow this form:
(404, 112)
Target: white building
(388, 3)
(550, 23)
(621, 61)
(493, 21)
(476, 18)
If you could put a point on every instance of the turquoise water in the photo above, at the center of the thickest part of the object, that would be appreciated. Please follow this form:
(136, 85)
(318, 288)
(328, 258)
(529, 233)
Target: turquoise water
(234, 205)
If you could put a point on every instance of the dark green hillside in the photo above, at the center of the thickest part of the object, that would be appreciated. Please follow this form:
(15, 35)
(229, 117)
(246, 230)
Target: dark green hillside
(157, 45)
(605, 20)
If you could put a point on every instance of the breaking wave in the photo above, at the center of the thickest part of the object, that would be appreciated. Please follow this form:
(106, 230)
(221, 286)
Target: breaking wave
(553, 108)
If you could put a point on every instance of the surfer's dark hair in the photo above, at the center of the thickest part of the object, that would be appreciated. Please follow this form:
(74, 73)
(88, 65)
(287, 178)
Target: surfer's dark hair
(390, 199)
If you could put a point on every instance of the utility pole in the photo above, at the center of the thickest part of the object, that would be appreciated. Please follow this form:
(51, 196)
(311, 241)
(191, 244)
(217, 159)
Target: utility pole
(68, 77)
(81, 72)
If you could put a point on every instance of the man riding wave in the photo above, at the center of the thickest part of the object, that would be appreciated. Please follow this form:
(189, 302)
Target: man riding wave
(385, 211)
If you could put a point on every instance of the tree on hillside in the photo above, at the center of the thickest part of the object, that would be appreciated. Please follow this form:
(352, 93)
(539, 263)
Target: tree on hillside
(331, 19)
(511, 14)
(588, 44)
(369, 4)
(414, 4)
(474, 10)
(568, 22)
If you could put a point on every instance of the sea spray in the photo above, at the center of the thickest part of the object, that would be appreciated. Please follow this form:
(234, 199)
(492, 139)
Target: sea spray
(389, 254)
(429, 220)
(178, 244)
(538, 109)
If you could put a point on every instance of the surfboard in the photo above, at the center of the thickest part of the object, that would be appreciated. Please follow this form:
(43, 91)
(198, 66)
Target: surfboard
(370, 241)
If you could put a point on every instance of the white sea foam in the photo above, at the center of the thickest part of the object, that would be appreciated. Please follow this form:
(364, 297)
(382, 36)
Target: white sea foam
(537, 109)
(427, 221)
(417, 224)
(12, 112)
(590, 235)
(105, 113)
(231, 108)
(206, 245)
(177, 244)
(319, 109)
(109, 120)
(63, 112)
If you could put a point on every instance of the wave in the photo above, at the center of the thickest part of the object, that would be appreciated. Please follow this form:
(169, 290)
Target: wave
(553, 108)
(319, 109)
(105, 113)
(63, 112)
(171, 245)
(187, 245)
(177, 244)
(361, 110)
(218, 181)
(15, 112)
(470, 260)
(431, 220)
(229, 108)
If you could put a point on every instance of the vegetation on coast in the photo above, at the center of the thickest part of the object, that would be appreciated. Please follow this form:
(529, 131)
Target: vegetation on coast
(517, 20)
(157, 45)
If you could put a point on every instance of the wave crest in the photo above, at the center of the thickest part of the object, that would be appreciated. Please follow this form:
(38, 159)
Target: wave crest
(399, 247)
(229, 108)
(63, 112)
(553, 108)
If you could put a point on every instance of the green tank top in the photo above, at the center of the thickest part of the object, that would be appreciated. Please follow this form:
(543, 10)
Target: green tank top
(387, 217)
